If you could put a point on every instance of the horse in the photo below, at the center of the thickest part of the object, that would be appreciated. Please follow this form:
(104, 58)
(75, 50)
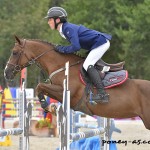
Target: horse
(130, 99)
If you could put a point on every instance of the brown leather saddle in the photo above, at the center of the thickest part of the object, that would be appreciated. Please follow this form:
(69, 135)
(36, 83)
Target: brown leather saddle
(113, 67)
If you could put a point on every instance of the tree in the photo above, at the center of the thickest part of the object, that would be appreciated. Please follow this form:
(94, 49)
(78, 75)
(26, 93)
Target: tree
(134, 37)
(127, 21)
(24, 19)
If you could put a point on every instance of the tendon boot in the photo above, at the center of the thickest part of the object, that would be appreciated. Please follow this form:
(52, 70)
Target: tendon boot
(101, 95)
(43, 102)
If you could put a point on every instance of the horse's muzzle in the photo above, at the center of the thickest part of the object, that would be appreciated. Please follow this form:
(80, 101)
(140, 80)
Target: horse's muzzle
(9, 73)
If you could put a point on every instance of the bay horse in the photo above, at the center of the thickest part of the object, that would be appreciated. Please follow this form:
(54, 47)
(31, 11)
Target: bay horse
(130, 99)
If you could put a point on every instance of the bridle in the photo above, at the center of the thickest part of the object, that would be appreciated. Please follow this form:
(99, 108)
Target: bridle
(17, 67)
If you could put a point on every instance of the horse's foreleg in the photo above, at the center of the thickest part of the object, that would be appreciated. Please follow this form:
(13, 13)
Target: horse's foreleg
(53, 91)
(43, 102)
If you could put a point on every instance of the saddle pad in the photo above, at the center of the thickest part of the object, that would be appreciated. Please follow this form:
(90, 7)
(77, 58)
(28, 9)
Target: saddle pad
(112, 79)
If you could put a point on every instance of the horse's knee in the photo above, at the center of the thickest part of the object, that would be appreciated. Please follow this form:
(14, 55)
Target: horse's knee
(38, 88)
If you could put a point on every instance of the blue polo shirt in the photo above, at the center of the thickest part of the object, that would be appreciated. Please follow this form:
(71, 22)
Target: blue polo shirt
(81, 37)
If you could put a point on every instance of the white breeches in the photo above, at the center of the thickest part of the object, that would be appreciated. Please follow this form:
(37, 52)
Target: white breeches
(95, 55)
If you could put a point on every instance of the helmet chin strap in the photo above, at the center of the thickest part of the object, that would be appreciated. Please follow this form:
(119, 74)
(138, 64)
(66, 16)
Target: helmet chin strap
(56, 24)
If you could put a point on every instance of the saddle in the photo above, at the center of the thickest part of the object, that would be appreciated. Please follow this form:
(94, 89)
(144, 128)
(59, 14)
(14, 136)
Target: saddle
(113, 67)
(111, 74)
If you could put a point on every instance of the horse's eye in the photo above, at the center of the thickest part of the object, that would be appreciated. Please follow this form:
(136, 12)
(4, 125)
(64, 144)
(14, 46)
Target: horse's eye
(15, 53)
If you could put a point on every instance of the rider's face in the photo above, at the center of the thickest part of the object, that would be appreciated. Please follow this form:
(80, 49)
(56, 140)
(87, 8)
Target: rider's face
(51, 23)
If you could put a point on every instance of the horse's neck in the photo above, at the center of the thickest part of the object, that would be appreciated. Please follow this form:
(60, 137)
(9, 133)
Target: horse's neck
(52, 60)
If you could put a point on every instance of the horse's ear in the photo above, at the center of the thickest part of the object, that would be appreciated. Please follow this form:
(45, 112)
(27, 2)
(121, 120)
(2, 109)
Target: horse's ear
(17, 39)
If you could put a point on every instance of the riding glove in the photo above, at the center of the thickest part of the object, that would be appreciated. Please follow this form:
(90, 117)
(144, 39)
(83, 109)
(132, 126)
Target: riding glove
(57, 48)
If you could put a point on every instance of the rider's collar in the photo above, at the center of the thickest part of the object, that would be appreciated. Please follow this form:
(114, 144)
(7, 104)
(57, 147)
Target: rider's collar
(60, 31)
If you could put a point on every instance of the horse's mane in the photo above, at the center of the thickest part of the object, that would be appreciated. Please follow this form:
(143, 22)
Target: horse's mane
(51, 44)
(42, 41)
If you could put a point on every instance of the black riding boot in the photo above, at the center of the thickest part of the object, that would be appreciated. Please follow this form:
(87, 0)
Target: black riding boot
(101, 95)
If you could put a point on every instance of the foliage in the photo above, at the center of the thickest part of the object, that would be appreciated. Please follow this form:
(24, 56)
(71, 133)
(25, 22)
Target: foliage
(44, 123)
(135, 37)
(127, 21)
(26, 20)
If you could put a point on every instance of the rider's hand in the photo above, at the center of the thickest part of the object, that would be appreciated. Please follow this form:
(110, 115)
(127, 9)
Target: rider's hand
(57, 48)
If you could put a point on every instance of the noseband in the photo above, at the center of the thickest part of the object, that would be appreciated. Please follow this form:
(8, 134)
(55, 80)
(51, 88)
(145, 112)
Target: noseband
(17, 67)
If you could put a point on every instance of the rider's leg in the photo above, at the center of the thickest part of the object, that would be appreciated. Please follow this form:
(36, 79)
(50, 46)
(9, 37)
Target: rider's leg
(101, 95)
(95, 55)
(88, 65)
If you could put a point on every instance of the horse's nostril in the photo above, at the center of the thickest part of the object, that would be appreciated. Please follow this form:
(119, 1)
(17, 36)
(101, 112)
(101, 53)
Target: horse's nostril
(8, 74)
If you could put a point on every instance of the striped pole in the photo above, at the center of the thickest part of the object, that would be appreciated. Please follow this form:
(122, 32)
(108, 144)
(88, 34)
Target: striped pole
(14, 116)
(79, 125)
(11, 131)
(86, 134)
(24, 116)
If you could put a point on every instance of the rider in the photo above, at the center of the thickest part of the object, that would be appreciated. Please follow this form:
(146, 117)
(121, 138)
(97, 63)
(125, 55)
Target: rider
(95, 42)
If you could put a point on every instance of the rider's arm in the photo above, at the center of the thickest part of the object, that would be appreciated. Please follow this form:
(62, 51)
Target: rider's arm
(72, 36)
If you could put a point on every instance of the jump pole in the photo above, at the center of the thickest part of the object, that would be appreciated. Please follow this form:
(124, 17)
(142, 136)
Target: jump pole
(63, 116)
(63, 119)
(24, 116)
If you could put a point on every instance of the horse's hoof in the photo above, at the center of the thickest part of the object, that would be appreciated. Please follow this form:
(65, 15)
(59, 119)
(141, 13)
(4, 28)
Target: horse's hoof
(53, 108)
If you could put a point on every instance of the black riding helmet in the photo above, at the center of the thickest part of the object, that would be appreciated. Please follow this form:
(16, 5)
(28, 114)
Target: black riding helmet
(57, 12)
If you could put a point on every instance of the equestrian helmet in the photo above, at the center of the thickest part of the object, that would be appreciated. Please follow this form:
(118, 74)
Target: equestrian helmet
(57, 12)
